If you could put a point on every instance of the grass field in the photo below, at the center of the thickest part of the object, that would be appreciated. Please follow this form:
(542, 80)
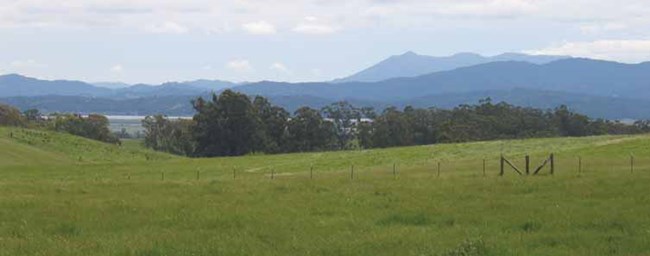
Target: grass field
(63, 195)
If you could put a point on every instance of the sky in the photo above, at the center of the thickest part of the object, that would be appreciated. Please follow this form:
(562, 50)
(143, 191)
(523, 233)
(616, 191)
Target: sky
(153, 41)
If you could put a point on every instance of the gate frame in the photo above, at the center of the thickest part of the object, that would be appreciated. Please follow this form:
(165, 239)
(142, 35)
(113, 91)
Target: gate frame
(550, 159)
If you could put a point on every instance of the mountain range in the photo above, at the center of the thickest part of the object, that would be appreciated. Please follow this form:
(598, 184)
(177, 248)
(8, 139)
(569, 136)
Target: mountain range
(14, 85)
(595, 87)
(575, 75)
(411, 64)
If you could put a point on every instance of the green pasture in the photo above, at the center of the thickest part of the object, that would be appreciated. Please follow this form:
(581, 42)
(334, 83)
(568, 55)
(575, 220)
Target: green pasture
(64, 195)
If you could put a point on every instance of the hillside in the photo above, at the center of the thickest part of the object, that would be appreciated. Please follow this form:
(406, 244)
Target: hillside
(20, 147)
(353, 203)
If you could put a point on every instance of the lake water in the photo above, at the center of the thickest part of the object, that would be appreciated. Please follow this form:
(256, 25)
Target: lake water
(132, 124)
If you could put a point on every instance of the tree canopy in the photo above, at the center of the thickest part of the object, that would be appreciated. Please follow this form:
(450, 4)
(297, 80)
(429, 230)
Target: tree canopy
(231, 124)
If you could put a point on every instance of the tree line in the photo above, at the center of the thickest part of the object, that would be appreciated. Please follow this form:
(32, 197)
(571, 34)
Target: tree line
(93, 126)
(233, 124)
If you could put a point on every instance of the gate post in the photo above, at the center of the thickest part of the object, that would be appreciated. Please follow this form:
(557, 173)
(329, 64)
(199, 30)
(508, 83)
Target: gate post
(552, 163)
(502, 163)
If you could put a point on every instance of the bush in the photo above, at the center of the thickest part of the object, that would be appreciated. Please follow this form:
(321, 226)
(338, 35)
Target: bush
(93, 127)
(10, 116)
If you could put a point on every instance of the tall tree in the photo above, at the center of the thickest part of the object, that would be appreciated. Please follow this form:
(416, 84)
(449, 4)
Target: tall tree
(391, 129)
(273, 126)
(172, 136)
(308, 131)
(569, 123)
(344, 117)
(226, 126)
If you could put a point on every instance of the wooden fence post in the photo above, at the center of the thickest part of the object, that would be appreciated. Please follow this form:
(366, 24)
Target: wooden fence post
(311, 172)
(552, 164)
(501, 172)
(198, 175)
(527, 165)
(579, 164)
(394, 171)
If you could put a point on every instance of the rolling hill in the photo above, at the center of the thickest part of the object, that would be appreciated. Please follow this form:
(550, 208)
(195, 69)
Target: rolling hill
(25, 147)
(63, 195)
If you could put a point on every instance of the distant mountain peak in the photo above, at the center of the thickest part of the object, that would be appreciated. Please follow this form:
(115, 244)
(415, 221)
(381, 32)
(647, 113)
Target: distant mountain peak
(411, 64)
(409, 53)
(512, 54)
(466, 54)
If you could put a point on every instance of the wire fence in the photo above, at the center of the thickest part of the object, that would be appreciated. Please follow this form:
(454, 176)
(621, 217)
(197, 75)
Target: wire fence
(562, 165)
(565, 165)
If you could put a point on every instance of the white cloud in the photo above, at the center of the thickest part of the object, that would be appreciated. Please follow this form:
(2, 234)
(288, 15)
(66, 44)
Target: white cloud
(117, 68)
(312, 25)
(314, 29)
(168, 27)
(259, 28)
(202, 16)
(279, 67)
(630, 51)
(240, 65)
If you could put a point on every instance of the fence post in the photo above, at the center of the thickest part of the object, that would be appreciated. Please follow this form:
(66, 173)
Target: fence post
(394, 171)
(311, 172)
(552, 163)
(197, 175)
(527, 165)
(579, 164)
(501, 172)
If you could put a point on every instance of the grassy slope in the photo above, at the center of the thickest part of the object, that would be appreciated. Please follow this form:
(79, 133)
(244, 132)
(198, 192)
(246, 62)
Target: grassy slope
(29, 147)
(114, 201)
